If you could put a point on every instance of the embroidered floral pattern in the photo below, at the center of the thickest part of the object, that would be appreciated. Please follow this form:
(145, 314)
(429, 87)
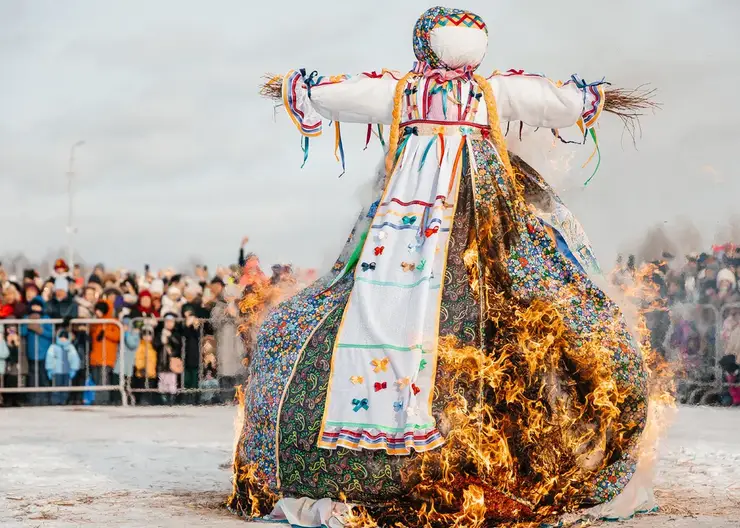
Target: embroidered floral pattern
(537, 269)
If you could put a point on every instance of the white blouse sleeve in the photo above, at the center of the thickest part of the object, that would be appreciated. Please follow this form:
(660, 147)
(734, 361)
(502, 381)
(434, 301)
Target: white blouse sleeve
(365, 98)
(539, 102)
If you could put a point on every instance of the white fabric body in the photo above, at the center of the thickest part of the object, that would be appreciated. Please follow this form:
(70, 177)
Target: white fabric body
(535, 100)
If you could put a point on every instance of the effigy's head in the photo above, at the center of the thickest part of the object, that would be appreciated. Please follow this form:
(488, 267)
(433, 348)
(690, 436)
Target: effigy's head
(450, 38)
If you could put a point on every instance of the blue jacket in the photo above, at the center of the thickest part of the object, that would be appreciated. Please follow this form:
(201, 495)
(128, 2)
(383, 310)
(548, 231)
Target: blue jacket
(37, 344)
(4, 352)
(62, 358)
(131, 345)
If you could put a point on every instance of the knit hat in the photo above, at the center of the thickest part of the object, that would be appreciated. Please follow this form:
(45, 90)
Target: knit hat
(36, 302)
(174, 291)
(102, 307)
(726, 274)
(94, 279)
(61, 264)
(157, 287)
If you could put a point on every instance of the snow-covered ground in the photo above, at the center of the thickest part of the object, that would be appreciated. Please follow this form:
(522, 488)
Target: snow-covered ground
(165, 467)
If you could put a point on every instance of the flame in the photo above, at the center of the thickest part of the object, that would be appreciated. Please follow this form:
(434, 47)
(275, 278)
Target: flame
(250, 496)
(529, 418)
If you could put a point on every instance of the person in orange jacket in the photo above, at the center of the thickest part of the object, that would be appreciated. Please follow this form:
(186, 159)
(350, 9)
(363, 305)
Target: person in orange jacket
(105, 339)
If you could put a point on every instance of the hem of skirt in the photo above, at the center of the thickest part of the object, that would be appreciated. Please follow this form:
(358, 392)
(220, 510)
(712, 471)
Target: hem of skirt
(393, 444)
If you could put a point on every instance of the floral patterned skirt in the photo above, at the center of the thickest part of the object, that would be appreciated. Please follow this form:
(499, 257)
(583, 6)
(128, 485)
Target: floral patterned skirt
(289, 373)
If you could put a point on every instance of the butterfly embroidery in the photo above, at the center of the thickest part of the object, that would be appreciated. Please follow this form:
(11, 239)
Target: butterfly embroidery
(380, 386)
(431, 231)
(397, 406)
(422, 364)
(366, 266)
(416, 389)
(412, 412)
(409, 220)
(357, 380)
(360, 404)
(408, 266)
(414, 247)
(379, 250)
(381, 235)
(403, 382)
(420, 266)
(380, 365)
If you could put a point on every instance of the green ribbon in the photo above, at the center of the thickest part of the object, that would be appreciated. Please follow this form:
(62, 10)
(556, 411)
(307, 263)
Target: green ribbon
(598, 155)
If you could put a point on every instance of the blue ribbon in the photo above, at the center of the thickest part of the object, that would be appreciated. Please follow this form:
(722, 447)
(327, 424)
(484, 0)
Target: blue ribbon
(309, 80)
(426, 151)
(304, 148)
(407, 133)
(360, 404)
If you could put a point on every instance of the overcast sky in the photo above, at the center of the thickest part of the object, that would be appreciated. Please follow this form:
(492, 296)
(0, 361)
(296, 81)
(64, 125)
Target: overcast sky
(183, 158)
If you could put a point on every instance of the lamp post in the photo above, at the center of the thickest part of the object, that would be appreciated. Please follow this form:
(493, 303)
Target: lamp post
(70, 227)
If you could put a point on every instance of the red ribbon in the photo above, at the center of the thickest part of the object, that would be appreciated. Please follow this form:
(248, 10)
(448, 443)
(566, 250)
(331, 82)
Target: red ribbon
(380, 386)
(431, 231)
(369, 134)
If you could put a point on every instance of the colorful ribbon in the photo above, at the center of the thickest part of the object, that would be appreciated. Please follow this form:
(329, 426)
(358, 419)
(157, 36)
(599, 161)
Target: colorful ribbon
(338, 146)
(380, 365)
(304, 148)
(597, 151)
(360, 404)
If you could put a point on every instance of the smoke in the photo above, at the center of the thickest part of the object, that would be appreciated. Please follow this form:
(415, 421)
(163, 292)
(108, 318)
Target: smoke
(680, 238)
(543, 151)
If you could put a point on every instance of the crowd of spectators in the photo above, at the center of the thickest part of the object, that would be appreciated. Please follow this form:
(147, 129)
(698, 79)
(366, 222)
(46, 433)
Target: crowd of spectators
(692, 310)
(170, 337)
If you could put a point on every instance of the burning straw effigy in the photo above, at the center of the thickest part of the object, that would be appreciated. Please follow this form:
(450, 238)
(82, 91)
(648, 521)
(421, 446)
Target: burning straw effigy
(458, 366)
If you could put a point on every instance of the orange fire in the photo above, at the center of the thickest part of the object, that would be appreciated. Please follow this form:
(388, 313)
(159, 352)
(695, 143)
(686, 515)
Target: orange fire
(526, 427)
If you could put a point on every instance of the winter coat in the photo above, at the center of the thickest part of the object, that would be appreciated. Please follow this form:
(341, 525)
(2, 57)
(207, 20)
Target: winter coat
(145, 364)
(173, 347)
(105, 339)
(191, 338)
(734, 388)
(229, 349)
(85, 309)
(65, 309)
(4, 352)
(62, 358)
(38, 338)
(131, 343)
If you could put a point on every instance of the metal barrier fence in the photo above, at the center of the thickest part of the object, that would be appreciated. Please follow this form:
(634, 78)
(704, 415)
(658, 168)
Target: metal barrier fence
(56, 372)
(176, 360)
(152, 361)
(701, 379)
